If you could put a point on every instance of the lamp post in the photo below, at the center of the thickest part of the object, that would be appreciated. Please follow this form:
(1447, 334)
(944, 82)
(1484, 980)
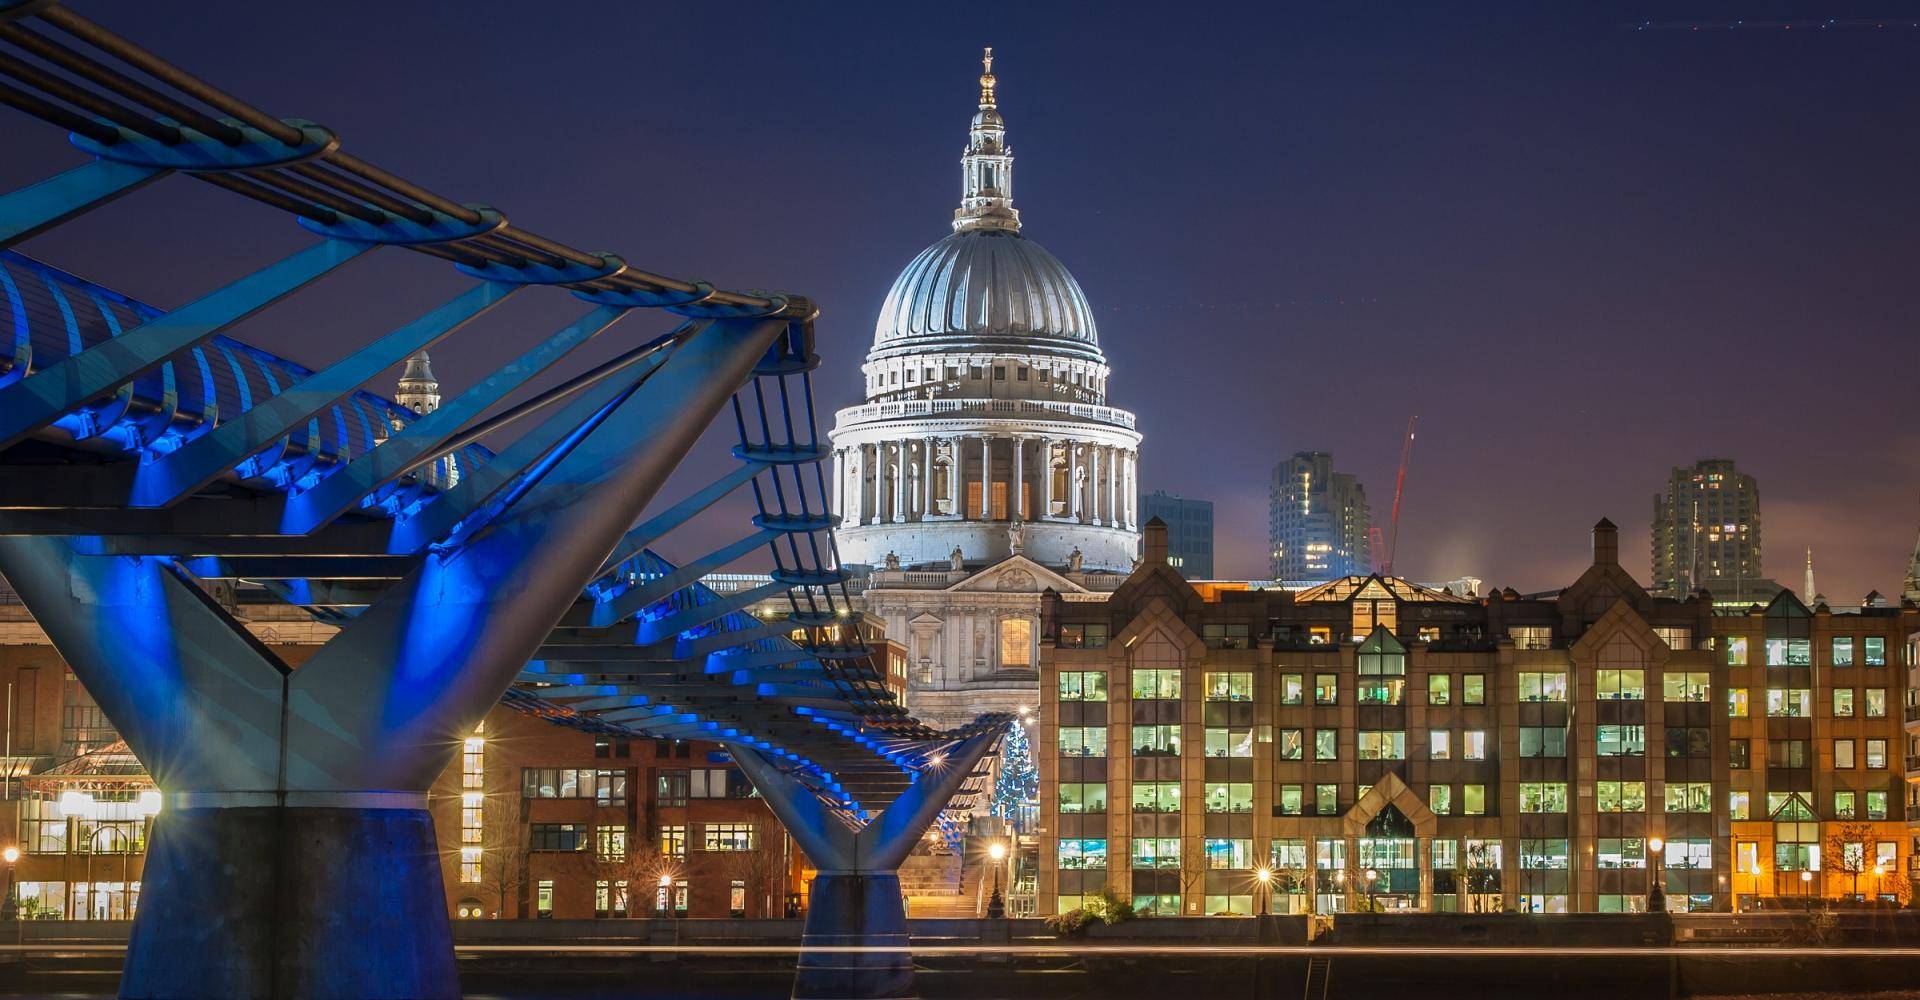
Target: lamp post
(10, 910)
(1656, 886)
(996, 907)
(1879, 872)
(1265, 877)
(1372, 904)
(1757, 873)
(1806, 884)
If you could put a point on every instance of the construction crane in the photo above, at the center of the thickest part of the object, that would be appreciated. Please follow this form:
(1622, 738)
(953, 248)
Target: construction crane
(1385, 543)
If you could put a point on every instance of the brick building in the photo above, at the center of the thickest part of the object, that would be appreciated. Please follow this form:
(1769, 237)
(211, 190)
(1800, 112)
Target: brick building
(1371, 742)
(569, 824)
(537, 819)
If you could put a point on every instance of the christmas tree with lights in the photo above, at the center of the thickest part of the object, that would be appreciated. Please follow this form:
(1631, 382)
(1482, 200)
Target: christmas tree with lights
(1018, 783)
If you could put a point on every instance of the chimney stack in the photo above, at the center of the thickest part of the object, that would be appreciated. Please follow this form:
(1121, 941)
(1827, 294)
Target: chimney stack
(1155, 540)
(1606, 544)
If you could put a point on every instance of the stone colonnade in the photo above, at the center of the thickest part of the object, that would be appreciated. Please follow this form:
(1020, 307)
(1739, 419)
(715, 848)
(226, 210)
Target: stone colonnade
(986, 477)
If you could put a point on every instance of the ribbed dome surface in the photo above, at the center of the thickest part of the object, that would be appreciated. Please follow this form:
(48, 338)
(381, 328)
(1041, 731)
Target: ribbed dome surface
(986, 289)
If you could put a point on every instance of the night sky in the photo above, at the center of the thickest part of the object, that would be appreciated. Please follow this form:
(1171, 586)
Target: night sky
(1582, 252)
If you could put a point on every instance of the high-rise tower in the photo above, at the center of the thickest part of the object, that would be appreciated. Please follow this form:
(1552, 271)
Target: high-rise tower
(1706, 534)
(1317, 520)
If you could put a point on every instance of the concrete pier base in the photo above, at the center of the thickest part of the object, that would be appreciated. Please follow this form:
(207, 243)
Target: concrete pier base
(285, 902)
(855, 910)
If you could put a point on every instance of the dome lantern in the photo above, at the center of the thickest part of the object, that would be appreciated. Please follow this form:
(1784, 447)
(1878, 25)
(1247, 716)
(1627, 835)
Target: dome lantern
(986, 169)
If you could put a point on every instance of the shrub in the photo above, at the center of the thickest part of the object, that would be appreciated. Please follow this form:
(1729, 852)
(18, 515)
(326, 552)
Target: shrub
(1106, 908)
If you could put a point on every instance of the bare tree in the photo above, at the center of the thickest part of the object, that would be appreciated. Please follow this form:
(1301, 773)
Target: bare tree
(1848, 853)
(503, 855)
(1193, 868)
(754, 869)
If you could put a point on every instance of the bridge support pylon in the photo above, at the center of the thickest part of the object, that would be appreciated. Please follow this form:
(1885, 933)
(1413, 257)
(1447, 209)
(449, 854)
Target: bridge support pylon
(294, 855)
(855, 899)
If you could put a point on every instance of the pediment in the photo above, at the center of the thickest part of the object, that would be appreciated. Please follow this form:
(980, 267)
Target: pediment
(1158, 618)
(1016, 575)
(1621, 622)
(1392, 790)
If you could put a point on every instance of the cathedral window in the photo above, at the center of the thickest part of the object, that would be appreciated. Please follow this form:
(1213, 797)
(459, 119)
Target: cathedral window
(1016, 644)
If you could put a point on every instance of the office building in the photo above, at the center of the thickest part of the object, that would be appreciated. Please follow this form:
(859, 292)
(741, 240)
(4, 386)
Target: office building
(1374, 743)
(1189, 531)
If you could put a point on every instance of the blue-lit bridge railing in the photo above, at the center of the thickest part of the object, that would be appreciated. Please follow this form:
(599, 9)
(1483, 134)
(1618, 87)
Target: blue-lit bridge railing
(145, 452)
(800, 699)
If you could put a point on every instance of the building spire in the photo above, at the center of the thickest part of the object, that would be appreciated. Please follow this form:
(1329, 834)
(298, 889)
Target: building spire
(986, 169)
(1807, 591)
(1912, 590)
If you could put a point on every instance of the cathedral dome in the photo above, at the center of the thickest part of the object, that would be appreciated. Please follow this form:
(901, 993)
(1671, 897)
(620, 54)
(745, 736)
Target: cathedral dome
(986, 289)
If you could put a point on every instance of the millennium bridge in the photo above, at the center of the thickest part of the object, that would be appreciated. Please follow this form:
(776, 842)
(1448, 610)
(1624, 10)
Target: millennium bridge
(490, 548)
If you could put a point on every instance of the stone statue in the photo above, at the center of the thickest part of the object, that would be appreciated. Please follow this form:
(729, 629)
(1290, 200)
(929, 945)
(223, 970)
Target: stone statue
(893, 560)
(955, 561)
(1016, 537)
(1074, 559)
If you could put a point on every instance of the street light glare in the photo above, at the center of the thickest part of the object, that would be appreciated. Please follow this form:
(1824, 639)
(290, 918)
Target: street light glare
(11, 854)
(998, 851)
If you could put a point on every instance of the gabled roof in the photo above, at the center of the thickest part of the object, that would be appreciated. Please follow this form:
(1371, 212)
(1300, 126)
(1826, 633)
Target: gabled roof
(1373, 586)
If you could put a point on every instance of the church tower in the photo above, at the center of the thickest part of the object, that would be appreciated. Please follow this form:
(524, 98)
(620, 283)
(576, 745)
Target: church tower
(419, 391)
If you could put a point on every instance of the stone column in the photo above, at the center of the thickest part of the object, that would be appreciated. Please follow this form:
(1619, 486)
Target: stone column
(926, 477)
(1133, 490)
(955, 489)
(1423, 860)
(1046, 477)
(878, 512)
(839, 479)
(1073, 480)
(854, 505)
(986, 477)
(1019, 477)
(900, 481)
(1093, 483)
(1113, 487)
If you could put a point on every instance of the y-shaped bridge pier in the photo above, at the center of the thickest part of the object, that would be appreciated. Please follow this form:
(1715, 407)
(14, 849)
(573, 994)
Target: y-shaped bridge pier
(145, 453)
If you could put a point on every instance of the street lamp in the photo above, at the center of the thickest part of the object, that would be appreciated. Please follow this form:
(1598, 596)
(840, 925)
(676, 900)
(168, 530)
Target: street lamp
(1265, 877)
(1656, 887)
(1757, 873)
(10, 910)
(996, 907)
(1879, 871)
(1806, 883)
(1372, 906)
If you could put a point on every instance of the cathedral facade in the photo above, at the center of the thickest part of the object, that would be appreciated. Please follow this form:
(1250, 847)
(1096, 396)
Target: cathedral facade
(984, 466)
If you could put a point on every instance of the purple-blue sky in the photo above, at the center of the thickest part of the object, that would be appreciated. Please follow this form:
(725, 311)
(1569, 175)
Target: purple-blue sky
(1581, 252)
